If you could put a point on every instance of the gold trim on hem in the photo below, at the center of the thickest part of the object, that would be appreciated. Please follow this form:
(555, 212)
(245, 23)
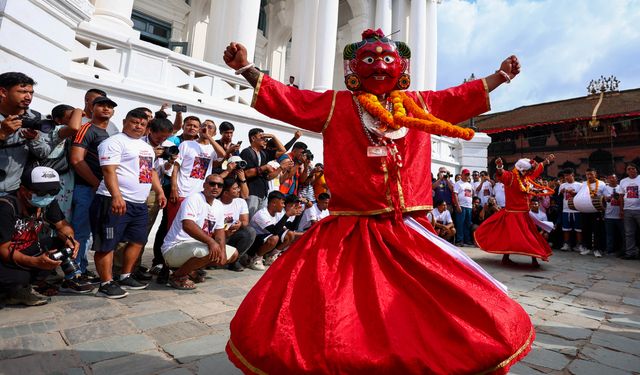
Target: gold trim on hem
(512, 357)
(361, 213)
(502, 364)
(244, 361)
(486, 94)
(418, 208)
(333, 106)
(256, 90)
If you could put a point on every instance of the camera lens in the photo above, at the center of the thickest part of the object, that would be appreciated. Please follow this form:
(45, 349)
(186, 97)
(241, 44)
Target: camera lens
(68, 267)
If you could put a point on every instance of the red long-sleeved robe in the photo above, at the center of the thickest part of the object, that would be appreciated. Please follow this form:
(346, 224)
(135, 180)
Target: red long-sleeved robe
(361, 291)
(523, 237)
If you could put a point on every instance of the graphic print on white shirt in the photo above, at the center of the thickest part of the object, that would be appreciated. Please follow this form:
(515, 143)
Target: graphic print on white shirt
(195, 164)
(630, 188)
(134, 159)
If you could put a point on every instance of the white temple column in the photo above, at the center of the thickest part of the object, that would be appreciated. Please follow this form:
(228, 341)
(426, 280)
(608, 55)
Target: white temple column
(418, 43)
(327, 30)
(308, 35)
(431, 45)
(383, 16)
(298, 46)
(115, 16)
(231, 21)
(400, 20)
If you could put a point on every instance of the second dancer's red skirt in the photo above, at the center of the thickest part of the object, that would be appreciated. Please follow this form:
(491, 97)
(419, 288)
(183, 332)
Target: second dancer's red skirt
(371, 295)
(512, 232)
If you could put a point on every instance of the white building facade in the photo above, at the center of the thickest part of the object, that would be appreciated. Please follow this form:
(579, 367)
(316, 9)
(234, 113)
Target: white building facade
(147, 52)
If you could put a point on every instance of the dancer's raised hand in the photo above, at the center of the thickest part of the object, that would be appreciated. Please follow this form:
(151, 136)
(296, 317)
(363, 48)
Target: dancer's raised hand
(235, 56)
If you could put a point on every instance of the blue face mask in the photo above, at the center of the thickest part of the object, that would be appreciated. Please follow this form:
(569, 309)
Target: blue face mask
(41, 201)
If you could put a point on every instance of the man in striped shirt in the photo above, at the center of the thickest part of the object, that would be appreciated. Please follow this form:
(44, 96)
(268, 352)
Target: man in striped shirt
(88, 174)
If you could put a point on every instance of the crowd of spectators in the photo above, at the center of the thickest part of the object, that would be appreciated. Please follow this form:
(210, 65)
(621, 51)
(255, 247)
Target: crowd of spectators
(612, 228)
(71, 182)
(75, 189)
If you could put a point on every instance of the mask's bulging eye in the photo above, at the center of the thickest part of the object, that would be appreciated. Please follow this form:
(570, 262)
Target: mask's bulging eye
(388, 59)
(368, 60)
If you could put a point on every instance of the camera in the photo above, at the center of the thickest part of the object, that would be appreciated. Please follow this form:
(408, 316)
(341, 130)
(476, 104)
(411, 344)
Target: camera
(238, 160)
(179, 108)
(37, 123)
(169, 151)
(64, 255)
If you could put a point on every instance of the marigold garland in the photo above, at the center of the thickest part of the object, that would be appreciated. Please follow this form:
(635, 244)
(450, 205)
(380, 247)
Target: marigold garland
(421, 119)
(539, 190)
(594, 192)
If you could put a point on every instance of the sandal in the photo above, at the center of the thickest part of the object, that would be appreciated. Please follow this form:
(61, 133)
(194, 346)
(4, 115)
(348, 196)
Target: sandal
(181, 283)
(197, 277)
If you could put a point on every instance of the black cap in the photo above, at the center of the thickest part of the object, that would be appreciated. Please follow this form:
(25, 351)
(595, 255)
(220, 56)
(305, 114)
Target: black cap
(104, 99)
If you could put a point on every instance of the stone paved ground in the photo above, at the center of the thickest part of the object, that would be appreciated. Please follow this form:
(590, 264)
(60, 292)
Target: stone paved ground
(586, 312)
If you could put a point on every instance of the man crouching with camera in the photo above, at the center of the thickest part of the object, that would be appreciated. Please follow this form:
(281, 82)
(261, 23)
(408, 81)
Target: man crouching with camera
(24, 257)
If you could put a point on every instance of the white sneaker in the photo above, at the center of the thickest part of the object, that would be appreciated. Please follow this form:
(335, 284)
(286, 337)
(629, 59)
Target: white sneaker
(565, 247)
(597, 253)
(256, 263)
(585, 251)
(271, 257)
(580, 249)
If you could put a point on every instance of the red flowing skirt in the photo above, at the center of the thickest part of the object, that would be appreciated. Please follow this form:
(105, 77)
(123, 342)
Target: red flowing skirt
(512, 232)
(370, 295)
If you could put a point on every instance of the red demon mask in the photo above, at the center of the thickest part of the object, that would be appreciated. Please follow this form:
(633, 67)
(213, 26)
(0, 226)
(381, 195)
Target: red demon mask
(377, 64)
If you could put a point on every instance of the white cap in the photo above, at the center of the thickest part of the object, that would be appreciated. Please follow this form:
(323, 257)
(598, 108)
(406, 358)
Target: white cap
(523, 165)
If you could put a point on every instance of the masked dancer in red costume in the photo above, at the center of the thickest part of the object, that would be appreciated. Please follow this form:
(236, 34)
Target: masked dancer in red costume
(371, 288)
(523, 236)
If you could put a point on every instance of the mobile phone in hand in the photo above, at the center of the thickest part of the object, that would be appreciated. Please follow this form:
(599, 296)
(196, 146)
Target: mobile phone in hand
(179, 108)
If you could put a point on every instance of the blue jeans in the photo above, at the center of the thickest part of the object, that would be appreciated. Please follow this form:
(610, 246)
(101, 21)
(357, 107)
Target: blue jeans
(463, 226)
(615, 235)
(81, 202)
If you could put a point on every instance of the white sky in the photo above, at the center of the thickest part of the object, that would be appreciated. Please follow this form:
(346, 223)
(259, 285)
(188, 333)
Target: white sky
(561, 44)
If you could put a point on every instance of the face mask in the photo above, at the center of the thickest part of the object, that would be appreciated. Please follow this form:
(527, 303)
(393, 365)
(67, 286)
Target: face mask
(43, 201)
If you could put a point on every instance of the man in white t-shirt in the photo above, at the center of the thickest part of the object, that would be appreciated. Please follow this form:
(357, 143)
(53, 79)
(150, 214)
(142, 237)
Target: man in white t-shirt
(193, 164)
(119, 211)
(475, 182)
(272, 233)
(440, 218)
(498, 192)
(462, 200)
(315, 213)
(629, 191)
(534, 210)
(571, 219)
(484, 189)
(196, 237)
(238, 232)
(613, 223)
(593, 222)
